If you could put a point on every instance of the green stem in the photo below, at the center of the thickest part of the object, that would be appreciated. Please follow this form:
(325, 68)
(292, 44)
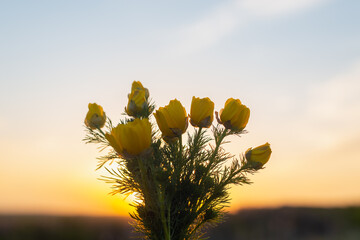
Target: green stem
(161, 203)
(180, 147)
(160, 199)
(168, 219)
(193, 152)
(163, 218)
(196, 140)
(216, 150)
(101, 131)
(219, 140)
(142, 173)
(218, 143)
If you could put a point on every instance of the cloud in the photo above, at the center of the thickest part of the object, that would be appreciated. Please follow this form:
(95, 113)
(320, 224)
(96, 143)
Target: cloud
(267, 8)
(228, 17)
(340, 94)
(339, 98)
(320, 117)
(208, 30)
(333, 109)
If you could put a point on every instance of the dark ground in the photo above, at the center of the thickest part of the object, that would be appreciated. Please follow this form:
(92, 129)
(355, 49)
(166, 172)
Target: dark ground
(280, 223)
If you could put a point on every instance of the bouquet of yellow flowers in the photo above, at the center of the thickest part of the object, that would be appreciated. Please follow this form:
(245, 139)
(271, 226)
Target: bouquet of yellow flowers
(180, 187)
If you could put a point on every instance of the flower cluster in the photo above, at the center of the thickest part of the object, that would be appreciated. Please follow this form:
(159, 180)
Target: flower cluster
(181, 186)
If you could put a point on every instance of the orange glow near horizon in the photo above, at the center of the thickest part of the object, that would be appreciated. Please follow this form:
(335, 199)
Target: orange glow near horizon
(62, 186)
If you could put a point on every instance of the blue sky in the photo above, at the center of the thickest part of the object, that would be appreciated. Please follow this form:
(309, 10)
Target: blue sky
(296, 64)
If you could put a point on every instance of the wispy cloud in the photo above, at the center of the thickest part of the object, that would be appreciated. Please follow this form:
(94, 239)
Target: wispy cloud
(227, 18)
(329, 112)
(208, 30)
(333, 111)
(271, 8)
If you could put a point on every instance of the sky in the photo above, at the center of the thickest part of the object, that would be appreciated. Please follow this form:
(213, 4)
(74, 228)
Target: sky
(295, 64)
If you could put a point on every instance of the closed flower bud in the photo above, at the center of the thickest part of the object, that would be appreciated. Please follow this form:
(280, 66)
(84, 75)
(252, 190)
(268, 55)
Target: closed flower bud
(234, 115)
(201, 112)
(131, 139)
(172, 120)
(96, 117)
(137, 102)
(136, 85)
(260, 154)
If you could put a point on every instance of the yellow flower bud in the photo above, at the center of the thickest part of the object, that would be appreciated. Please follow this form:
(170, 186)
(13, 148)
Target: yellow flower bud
(136, 85)
(172, 119)
(234, 115)
(260, 154)
(137, 102)
(201, 112)
(96, 117)
(132, 138)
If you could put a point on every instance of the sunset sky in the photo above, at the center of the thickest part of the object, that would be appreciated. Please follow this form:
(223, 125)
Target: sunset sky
(295, 64)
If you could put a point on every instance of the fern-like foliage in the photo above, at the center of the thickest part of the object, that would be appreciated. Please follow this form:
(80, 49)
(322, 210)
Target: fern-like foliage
(181, 188)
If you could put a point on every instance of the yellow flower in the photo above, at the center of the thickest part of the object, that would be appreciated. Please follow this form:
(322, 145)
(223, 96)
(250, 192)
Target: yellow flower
(114, 139)
(259, 154)
(234, 115)
(96, 117)
(132, 138)
(136, 85)
(137, 102)
(201, 112)
(172, 119)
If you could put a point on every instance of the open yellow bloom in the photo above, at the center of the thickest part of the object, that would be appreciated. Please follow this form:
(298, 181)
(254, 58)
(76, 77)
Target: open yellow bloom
(201, 112)
(234, 115)
(172, 119)
(259, 154)
(136, 85)
(132, 138)
(137, 102)
(96, 117)
(114, 139)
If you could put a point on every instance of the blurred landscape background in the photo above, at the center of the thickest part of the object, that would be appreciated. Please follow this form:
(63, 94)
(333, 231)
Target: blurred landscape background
(278, 223)
(295, 64)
